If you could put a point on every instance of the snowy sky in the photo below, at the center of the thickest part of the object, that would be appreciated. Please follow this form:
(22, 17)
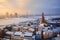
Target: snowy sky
(24, 7)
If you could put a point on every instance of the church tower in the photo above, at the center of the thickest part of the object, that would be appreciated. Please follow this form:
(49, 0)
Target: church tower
(42, 18)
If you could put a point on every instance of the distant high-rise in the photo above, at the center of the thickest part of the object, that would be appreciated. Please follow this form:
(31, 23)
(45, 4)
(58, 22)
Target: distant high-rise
(16, 14)
(7, 14)
(11, 15)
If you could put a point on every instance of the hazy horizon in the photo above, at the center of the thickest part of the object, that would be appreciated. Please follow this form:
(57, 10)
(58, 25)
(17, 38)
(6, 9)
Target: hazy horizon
(30, 7)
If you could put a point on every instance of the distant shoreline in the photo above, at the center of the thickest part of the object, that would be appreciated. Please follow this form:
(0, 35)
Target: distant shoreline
(31, 16)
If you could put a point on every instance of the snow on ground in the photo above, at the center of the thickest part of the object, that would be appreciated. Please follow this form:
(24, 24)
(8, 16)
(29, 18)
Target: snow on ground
(14, 20)
(17, 20)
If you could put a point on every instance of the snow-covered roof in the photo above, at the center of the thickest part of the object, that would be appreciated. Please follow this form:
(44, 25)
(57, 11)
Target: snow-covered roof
(31, 29)
(18, 33)
(9, 32)
(28, 34)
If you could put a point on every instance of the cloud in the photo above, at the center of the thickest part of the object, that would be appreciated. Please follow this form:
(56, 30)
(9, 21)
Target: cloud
(12, 6)
(30, 6)
(48, 6)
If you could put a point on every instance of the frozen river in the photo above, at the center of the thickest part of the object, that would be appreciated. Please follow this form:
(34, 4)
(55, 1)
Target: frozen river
(14, 20)
(22, 19)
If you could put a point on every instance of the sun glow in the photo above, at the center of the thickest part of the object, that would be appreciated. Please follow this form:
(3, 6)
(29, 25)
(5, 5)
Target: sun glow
(12, 6)
(2, 0)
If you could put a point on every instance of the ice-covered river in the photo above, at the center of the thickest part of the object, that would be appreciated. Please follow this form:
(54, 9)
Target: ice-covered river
(8, 21)
(14, 20)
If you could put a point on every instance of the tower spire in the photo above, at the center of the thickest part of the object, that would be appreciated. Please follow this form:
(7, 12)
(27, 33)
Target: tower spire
(42, 20)
(42, 16)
